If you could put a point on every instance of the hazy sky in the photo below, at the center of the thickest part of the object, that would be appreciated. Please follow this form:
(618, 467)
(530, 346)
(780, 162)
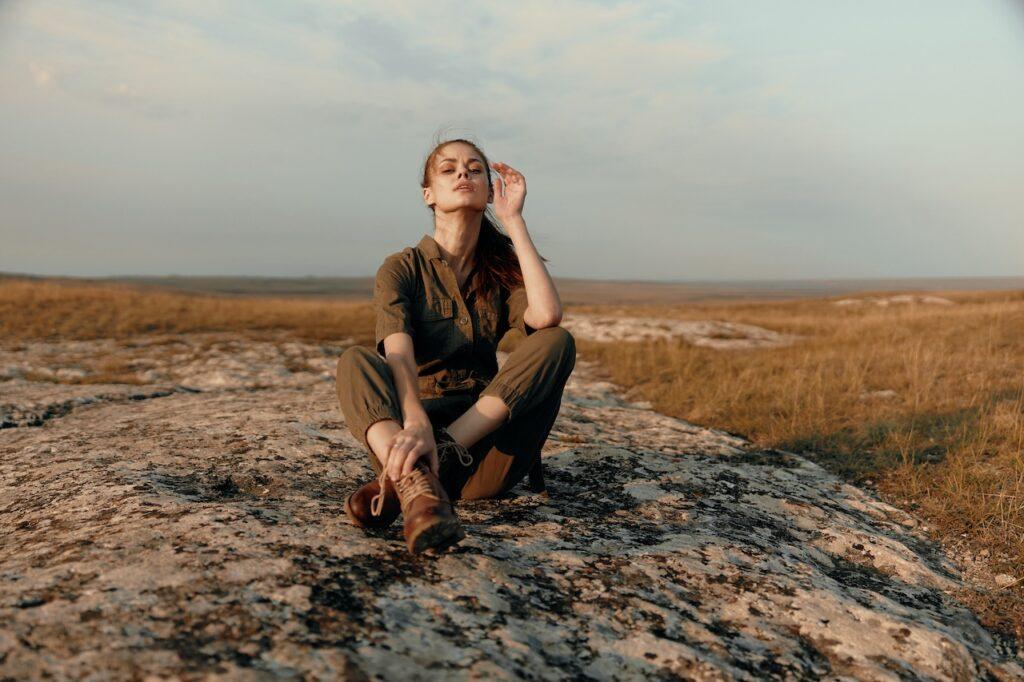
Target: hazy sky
(659, 140)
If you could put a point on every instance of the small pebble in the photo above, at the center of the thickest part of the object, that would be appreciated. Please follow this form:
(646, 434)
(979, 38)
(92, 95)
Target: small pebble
(1005, 580)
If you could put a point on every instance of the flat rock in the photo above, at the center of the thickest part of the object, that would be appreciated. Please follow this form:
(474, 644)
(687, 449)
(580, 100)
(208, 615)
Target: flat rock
(191, 531)
(899, 299)
(716, 334)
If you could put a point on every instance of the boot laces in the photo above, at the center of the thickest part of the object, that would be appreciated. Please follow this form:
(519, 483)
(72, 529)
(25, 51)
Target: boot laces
(377, 501)
(443, 448)
(465, 457)
(409, 487)
(415, 484)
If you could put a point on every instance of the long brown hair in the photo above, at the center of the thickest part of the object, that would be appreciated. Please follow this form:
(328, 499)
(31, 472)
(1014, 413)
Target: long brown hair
(496, 262)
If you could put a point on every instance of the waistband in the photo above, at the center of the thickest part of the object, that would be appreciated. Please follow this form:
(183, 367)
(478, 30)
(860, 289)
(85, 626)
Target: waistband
(452, 381)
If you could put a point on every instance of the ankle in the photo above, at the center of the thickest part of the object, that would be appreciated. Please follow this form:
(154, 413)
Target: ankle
(450, 450)
(456, 436)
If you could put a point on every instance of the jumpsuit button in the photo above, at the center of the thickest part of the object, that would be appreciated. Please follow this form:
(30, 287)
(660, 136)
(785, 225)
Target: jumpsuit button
(463, 320)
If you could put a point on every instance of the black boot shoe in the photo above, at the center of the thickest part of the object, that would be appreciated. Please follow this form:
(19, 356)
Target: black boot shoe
(451, 455)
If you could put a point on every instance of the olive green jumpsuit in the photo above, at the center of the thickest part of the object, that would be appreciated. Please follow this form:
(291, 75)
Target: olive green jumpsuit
(454, 340)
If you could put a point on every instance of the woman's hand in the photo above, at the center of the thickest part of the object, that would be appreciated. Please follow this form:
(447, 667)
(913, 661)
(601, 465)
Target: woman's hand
(508, 201)
(408, 445)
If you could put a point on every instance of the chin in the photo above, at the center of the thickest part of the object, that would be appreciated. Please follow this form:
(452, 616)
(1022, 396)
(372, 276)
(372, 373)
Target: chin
(468, 202)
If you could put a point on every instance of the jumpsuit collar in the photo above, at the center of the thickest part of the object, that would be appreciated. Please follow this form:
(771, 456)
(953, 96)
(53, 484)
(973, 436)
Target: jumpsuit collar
(429, 248)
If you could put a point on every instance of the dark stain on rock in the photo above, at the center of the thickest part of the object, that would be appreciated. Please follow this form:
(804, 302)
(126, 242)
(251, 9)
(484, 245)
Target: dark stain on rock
(214, 485)
(344, 590)
(855, 577)
(29, 602)
(769, 457)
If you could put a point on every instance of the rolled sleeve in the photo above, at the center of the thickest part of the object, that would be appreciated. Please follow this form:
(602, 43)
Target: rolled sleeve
(517, 304)
(393, 293)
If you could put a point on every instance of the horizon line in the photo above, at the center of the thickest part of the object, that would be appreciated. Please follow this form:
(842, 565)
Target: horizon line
(907, 278)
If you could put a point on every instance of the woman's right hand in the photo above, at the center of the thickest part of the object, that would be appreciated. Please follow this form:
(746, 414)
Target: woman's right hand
(414, 441)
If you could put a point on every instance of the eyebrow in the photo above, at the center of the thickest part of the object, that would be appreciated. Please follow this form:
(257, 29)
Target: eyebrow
(453, 160)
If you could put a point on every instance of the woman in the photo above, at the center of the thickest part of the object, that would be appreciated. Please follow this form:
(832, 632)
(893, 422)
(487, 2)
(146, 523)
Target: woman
(440, 421)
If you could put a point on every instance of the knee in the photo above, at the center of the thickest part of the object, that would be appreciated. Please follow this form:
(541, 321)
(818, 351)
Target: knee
(351, 360)
(561, 344)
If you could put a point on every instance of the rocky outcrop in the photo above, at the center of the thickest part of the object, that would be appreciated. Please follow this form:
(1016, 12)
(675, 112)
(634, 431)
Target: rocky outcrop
(716, 334)
(898, 299)
(201, 531)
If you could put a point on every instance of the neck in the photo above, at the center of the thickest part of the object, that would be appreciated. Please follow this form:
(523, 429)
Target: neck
(456, 234)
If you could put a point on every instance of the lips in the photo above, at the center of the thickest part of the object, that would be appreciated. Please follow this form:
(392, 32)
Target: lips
(463, 186)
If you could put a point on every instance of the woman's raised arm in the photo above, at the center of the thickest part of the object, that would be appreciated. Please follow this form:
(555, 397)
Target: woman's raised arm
(544, 307)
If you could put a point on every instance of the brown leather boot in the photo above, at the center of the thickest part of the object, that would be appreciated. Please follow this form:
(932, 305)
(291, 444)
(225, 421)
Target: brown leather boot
(360, 505)
(430, 521)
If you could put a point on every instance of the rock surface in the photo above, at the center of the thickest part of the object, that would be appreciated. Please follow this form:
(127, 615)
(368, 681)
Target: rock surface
(707, 333)
(194, 526)
(899, 299)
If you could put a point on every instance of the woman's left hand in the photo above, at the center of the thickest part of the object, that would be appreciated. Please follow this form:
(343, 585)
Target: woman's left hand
(508, 202)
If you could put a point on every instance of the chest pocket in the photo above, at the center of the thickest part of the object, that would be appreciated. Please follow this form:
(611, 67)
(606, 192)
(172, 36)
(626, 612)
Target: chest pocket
(436, 325)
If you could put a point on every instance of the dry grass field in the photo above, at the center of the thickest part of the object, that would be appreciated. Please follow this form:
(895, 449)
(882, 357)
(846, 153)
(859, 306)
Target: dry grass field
(924, 403)
(55, 310)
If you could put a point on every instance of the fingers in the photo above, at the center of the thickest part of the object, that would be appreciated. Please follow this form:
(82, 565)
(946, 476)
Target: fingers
(403, 454)
(411, 458)
(394, 463)
(508, 173)
(397, 455)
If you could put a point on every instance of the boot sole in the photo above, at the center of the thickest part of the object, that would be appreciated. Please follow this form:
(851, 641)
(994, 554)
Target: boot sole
(438, 536)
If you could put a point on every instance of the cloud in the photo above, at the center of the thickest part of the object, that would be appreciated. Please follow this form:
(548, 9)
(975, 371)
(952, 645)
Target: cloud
(633, 120)
(568, 63)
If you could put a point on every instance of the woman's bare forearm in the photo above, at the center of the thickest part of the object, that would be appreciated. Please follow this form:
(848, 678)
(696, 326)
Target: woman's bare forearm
(544, 307)
(398, 352)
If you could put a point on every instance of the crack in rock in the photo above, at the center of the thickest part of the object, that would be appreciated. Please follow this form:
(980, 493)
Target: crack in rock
(36, 404)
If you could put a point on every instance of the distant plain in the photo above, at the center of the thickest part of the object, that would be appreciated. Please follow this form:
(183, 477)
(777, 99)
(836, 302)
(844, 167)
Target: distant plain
(573, 291)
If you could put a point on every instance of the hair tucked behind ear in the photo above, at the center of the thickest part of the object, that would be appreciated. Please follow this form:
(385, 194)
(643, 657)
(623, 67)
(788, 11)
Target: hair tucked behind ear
(496, 262)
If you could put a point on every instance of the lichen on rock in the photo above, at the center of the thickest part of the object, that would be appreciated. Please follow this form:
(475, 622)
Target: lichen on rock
(196, 527)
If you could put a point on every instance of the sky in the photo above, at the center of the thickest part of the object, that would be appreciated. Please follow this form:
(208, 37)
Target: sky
(659, 140)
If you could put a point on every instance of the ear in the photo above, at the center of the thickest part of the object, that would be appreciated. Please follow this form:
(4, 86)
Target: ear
(428, 197)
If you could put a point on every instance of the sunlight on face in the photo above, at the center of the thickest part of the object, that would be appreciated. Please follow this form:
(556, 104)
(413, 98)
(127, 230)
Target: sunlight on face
(458, 180)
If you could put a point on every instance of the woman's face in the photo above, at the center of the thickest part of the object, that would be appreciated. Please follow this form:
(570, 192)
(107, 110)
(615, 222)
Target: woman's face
(458, 180)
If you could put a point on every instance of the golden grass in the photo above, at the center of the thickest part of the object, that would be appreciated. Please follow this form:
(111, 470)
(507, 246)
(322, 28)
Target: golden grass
(946, 442)
(924, 402)
(59, 311)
